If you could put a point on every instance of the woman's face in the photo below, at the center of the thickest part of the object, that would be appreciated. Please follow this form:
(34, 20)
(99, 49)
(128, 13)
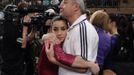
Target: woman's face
(110, 24)
(59, 28)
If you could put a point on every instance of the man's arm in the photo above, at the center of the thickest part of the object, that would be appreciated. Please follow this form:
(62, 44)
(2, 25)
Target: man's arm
(76, 63)
(51, 57)
(25, 36)
(26, 21)
(71, 60)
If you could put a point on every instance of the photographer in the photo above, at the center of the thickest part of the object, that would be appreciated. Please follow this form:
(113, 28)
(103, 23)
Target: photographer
(10, 48)
(32, 23)
(28, 36)
(17, 59)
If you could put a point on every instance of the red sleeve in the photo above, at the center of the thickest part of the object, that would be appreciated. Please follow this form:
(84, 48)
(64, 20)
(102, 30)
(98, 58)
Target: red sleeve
(63, 57)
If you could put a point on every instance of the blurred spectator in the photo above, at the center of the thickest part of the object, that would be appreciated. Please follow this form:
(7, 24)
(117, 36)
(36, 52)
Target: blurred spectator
(100, 20)
(11, 52)
(113, 32)
(120, 59)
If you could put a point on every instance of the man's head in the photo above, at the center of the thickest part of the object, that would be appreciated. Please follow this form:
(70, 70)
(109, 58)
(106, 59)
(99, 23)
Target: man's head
(71, 7)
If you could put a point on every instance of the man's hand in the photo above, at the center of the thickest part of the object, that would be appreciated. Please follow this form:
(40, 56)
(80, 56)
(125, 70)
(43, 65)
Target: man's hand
(94, 68)
(27, 19)
(51, 37)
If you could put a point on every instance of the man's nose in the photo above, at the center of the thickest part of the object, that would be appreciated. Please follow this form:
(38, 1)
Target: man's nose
(61, 5)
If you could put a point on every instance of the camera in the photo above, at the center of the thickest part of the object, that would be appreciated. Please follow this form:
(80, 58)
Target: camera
(14, 13)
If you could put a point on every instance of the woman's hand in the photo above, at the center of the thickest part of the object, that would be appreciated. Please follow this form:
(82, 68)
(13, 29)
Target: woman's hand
(50, 52)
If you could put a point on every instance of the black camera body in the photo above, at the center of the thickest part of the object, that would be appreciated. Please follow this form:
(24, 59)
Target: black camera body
(15, 13)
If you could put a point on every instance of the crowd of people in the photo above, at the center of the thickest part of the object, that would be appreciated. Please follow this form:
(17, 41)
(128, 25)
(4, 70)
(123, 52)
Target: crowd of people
(103, 3)
(71, 41)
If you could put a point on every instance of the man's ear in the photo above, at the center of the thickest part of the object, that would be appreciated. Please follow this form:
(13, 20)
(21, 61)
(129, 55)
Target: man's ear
(77, 7)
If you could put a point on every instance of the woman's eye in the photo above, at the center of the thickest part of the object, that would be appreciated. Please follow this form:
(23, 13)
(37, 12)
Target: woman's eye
(63, 28)
(55, 29)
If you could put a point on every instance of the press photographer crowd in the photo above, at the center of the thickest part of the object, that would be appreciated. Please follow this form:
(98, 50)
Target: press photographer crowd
(63, 37)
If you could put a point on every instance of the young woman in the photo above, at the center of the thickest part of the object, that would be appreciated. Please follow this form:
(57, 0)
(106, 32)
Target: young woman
(59, 28)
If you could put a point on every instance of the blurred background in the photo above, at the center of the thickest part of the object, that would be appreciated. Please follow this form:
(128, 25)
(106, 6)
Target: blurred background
(111, 6)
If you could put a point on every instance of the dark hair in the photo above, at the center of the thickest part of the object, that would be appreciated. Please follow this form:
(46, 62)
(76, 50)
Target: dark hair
(122, 24)
(114, 18)
(57, 18)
